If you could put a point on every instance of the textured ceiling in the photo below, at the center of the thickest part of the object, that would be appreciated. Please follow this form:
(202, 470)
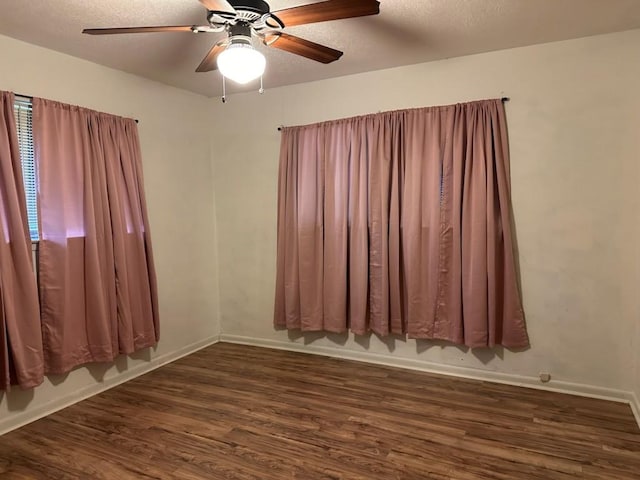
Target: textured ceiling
(405, 32)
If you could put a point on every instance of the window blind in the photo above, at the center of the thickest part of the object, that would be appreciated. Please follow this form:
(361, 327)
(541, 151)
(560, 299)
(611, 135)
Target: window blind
(24, 124)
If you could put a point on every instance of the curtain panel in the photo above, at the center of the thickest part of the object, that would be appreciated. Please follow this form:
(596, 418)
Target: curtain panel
(400, 223)
(97, 278)
(21, 356)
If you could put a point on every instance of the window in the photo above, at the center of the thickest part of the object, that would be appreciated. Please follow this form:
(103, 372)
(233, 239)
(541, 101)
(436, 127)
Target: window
(24, 124)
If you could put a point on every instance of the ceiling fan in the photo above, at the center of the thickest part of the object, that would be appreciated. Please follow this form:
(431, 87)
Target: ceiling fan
(242, 20)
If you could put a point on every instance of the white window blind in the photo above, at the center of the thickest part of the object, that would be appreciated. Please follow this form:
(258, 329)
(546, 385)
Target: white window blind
(24, 124)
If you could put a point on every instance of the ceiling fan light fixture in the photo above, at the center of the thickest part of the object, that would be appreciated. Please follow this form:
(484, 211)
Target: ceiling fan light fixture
(240, 62)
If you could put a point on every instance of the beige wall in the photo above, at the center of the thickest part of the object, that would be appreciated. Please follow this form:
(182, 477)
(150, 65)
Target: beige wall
(574, 122)
(174, 131)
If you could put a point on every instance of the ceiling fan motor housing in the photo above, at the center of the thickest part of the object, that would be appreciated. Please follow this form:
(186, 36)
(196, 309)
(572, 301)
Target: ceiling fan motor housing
(256, 13)
(256, 6)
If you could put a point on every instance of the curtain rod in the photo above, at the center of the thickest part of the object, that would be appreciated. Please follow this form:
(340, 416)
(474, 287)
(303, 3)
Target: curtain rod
(31, 98)
(504, 99)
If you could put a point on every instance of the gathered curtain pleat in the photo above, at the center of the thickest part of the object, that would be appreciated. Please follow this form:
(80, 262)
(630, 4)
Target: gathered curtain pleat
(21, 355)
(97, 277)
(400, 223)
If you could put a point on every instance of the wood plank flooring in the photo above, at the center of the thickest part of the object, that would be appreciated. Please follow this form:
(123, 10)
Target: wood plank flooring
(237, 412)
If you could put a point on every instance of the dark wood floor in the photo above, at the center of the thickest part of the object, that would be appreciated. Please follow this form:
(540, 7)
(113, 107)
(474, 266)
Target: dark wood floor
(236, 412)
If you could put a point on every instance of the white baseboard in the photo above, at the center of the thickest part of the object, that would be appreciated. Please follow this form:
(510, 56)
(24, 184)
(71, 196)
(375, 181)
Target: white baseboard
(634, 401)
(31, 415)
(451, 370)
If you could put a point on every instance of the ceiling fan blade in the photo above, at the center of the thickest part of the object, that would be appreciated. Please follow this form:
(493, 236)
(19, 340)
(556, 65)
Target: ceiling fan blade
(209, 62)
(218, 5)
(327, 10)
(109, 31)
(300, 46)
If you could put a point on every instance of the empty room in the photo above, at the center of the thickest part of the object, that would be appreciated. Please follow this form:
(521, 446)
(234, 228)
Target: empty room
(320, 239)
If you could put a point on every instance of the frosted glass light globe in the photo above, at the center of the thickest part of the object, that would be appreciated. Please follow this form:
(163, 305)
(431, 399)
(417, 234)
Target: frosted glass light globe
(241, 63)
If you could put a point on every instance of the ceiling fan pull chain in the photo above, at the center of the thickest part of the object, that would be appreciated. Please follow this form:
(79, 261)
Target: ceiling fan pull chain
(261, 91)
(224, 90)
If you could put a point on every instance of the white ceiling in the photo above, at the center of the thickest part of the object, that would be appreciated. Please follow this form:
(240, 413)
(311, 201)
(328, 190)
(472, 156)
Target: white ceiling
(405, 32)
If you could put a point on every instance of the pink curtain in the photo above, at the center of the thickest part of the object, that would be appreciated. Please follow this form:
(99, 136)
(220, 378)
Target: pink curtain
(97, 278)
(400, 222)
(21, 360)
